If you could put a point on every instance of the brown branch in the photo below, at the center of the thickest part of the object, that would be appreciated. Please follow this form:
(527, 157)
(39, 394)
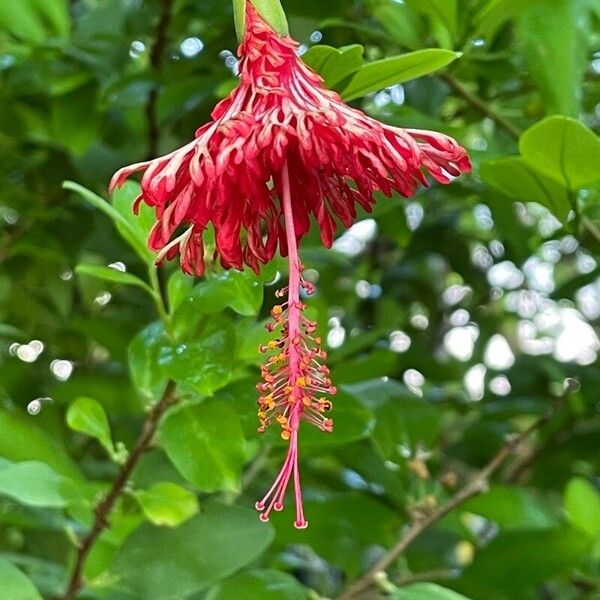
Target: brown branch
(157, 55)
(105, 506)
(483, 107)
(477, 485)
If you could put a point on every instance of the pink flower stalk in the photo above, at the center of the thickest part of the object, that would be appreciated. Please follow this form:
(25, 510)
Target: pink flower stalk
(280, 149)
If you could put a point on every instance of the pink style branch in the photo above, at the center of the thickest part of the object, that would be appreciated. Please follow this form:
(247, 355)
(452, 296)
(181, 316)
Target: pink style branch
(281, 149)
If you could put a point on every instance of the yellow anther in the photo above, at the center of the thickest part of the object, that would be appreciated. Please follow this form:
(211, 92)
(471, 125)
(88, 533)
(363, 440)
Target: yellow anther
(301, 381)
(285, 434)
(277, 309)
(306, 400)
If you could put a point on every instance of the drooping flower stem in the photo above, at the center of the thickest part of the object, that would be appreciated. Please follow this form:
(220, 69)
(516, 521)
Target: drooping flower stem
(294, 308)
(294, 377)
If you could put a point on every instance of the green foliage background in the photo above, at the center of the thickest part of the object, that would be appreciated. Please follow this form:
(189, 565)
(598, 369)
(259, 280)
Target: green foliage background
(87, 86)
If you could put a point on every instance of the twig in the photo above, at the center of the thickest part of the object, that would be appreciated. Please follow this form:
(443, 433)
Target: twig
(157, 54)
(105, 506)
(477, 485)
(427, 576)
(483, 107)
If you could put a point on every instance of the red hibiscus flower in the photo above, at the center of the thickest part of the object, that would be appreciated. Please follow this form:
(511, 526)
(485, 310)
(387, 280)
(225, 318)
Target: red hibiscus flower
(281, 149)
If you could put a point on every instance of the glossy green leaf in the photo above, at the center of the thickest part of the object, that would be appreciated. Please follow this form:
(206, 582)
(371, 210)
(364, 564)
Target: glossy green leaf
(34, 484)
(206, 444)
(87, 415)
(426, 591)
(179, 288)
(563, 149)
(167, 503)
(15, 584)
(334, 64)
(240, 291)
(113, 275)
(143, 354)
(202, 551)
(518, 180)
(205, 363)
(582, 505)
(262, 583)
(381, 74)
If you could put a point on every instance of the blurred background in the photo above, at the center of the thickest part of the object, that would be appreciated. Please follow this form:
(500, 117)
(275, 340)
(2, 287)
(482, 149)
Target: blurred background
(452, 319)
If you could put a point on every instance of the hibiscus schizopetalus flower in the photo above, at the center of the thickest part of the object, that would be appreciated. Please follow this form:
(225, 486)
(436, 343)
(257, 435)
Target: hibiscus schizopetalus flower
(282, 149)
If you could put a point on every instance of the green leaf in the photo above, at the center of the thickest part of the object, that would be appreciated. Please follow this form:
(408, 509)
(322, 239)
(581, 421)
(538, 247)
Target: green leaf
(339, 526)
(555, 34)
(167, 503)
(270, 10)
(87, 415)
(15, 585)
(494, 14)
(179, 288)
(518, 180)
(564, 149)
(127, 230)
(205, 363)
(123, 199)
(261, 583)
(426, 591)
(9, 331)
(334, 64)
(242, 291)
(206, 444)
(402, 23)
(33, 21)
(72, 124)
(582, 505)
(35, 484)
(113, 275)
(23, 440)
(444, 18)
(21, 20)
(402, 419)
(514, 508)
(381, 74)
(208, 548)
(530, 557)
(143, 355)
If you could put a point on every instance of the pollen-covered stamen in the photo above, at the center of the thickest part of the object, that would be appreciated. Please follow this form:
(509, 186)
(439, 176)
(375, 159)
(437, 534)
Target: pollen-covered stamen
(295, 382)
